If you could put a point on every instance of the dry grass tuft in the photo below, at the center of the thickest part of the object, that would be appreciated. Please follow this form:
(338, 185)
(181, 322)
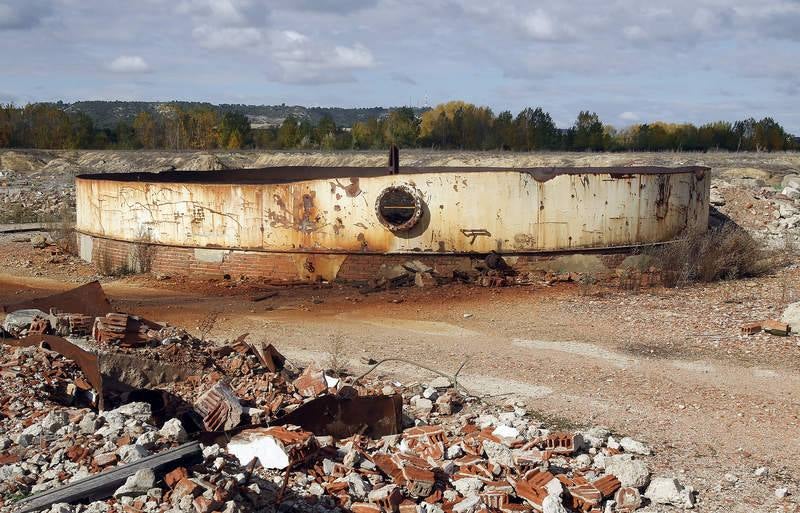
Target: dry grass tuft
(723, 253)
(336, 358)
(62, 230)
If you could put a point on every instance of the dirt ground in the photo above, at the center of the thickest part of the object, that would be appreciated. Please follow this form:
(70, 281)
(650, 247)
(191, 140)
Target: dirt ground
(667, 366)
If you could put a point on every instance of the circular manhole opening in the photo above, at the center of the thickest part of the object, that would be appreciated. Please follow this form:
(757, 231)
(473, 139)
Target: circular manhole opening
(398, 207)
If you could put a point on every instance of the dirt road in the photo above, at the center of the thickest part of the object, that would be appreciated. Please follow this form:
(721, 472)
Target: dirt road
(650, 365)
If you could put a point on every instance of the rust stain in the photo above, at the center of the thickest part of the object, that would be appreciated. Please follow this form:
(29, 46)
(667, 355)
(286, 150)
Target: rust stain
(352, 189)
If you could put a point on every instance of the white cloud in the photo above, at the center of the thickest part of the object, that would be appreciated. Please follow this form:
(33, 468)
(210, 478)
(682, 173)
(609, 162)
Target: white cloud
(226, 24)
(129, 64)
(299, 59)
(540, 25)
(294, 37)
(226, 37)
(352, 57)
(629, 116)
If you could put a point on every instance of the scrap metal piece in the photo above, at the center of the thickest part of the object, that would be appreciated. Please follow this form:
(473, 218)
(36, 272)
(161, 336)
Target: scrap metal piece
(340, 417)
(220, 408)
(269, 356)
(101, 486)
(776, 328)
(107, 373)
(88, 299)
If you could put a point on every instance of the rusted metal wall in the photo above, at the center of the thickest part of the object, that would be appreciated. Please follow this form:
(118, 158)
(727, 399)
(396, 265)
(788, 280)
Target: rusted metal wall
(506, 211)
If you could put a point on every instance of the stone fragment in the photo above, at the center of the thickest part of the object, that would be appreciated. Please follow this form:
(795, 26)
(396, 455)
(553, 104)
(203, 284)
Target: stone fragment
(498, 453)
(173, 430)
(634, 447)
(423, 404)
(468, 486)
(54, 421)
(89, 423)
(630, 472)
(666, 490)
(358, 486)
(791, 315)
(553, 504)
(137, 484)
(440, 382)
(131, 453)
(627, 500)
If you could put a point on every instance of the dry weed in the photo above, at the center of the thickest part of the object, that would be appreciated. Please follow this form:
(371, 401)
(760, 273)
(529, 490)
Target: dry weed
(723, 253)
(336, 357)
(61, 230)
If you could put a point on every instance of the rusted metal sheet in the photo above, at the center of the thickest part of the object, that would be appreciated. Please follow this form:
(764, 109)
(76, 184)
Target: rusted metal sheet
(88, 299)
(341, 417)
(109, 373)
(335, 210)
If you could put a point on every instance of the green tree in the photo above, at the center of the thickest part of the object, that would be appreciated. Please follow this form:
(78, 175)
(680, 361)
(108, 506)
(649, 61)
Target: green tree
(503, 129)
(535, 130)
(362, 135)
(125, 136)
(401, 127)
(82, 131)
(588, 133)
(234, 123)
(289, 133)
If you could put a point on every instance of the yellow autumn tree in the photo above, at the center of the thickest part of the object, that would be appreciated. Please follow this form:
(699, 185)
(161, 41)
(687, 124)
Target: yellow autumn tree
(235, 140)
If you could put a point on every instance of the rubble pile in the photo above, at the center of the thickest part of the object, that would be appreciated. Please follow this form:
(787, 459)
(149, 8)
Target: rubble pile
(491, 271)
(23, 202)
(269, 436)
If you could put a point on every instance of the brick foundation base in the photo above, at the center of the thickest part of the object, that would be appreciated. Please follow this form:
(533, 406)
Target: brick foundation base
(112, 256)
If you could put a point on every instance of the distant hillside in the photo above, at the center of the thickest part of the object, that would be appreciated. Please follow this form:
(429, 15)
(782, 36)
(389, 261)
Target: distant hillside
(107, 114)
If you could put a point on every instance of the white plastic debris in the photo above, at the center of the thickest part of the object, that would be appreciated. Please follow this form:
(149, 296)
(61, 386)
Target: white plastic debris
(268, 451)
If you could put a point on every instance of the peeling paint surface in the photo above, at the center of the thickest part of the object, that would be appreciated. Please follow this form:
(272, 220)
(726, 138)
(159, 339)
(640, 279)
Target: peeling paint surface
(502, 210)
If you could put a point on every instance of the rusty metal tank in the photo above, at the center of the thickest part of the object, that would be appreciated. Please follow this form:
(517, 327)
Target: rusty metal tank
(433, 210)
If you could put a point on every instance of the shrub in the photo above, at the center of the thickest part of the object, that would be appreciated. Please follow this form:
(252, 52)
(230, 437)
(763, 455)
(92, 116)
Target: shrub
(722, 253)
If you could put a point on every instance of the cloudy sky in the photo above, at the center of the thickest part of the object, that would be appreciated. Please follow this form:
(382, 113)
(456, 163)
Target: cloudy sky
(629, 60)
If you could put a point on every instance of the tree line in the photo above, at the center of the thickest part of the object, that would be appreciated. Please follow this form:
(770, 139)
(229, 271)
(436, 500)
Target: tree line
(452, 125)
